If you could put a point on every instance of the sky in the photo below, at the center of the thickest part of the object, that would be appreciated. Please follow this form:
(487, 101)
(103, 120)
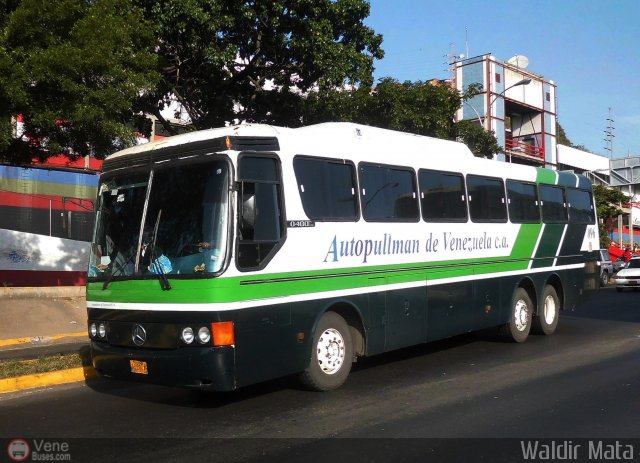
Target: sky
(589, 48)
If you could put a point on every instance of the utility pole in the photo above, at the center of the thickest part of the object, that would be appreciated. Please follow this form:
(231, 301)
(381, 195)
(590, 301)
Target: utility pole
(609, 135)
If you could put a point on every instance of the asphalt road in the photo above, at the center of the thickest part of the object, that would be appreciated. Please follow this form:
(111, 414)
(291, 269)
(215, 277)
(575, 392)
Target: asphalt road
(471, 398)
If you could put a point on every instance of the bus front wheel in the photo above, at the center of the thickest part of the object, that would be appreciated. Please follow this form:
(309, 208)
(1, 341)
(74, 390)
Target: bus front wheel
(331, 355)
(519, 324)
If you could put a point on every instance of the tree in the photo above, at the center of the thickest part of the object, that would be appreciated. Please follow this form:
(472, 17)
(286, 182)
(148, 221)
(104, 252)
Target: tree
(609, 203)
(424, 108)
(562, 136)
(563, 139)
(254, 61)
(72, 70)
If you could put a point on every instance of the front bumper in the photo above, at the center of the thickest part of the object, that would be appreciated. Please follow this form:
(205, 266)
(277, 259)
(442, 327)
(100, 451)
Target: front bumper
(211, 368)
(627, 282)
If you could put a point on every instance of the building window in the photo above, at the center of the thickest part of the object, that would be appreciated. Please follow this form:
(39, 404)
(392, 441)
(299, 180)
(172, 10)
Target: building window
(498, 77)
(548, 96)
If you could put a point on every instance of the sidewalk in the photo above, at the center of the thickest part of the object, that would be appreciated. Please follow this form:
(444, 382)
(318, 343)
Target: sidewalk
(42, 322)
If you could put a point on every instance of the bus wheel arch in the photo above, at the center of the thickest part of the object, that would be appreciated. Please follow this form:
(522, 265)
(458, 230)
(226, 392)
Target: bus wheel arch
(555, 281)
(337, 337)
(356, 327)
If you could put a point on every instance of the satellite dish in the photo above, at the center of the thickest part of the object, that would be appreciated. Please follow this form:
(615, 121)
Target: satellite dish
(519, 61)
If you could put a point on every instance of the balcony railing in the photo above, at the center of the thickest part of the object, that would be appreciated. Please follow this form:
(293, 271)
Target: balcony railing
(518, 148)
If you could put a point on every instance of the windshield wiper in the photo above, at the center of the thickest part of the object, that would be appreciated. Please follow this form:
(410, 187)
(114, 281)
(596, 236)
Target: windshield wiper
(117, 271)
(164, 282)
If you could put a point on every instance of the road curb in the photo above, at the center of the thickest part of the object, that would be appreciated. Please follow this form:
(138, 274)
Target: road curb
(40, 340)
(51, 378)
(24, 292)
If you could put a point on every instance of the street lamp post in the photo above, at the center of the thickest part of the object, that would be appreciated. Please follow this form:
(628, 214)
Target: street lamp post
(483, 119)
(525, 81)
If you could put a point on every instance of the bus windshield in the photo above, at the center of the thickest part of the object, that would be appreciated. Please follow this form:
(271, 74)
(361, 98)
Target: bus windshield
(172, 220)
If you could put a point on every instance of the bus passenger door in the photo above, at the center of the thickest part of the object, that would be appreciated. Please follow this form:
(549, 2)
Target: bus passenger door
(405, 314)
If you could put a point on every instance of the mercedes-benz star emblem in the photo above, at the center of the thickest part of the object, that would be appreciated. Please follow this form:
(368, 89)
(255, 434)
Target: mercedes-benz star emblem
(139, 335)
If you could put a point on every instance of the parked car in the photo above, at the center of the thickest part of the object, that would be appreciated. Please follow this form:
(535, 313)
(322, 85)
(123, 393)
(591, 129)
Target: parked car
(619, 265)
(629, 277)
(606, 267)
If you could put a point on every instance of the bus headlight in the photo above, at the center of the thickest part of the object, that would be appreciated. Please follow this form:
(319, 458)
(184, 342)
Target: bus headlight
(204, 335)
(187, 335)
(102, 330)
(93, 330)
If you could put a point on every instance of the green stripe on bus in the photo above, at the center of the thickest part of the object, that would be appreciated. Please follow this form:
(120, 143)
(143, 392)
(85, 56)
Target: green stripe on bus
(548, 247)
(546, 176)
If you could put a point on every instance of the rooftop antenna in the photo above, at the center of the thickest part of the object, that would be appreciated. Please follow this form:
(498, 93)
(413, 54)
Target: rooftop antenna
(453, 57)
(466, 41)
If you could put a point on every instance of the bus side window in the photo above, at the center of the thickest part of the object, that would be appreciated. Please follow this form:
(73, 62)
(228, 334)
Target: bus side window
(443, 196)
(486, 199)
(260, 215)
(580, 206)
(388, 193)
(553, 204)
(523, 202)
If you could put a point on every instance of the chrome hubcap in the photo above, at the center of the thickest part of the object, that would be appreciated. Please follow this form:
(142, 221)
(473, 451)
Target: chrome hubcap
(330, 351)
(521, 315)
(549, 310)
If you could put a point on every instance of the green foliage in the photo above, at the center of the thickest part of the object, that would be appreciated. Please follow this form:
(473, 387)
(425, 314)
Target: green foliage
(482, 143)
(79, 72)
(609, 203)
(562, 136)
(73, 70)
(423, 108)
(219, 57)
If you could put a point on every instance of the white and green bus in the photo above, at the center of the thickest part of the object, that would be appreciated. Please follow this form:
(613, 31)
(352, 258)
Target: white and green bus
(226, 257)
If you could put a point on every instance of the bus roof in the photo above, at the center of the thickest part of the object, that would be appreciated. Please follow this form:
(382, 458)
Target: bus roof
(324, 135)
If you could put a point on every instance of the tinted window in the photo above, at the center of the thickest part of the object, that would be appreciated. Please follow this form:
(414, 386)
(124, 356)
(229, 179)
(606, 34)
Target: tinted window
(388, 194)
(486, 199)
(442, 196)
(553, 208)
(327, 188)
(580, 206)
(523, 202)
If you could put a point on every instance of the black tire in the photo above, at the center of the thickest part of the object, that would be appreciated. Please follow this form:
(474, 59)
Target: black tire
(546, 321)
(519, 324)
(331, 354)
(604, 278)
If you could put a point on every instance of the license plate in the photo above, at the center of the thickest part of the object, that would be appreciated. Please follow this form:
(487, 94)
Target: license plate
(633, 283)
(139, 367)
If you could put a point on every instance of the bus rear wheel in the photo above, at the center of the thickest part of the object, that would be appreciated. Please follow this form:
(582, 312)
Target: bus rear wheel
(519, 324)
(331, 355)
(547, 320)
